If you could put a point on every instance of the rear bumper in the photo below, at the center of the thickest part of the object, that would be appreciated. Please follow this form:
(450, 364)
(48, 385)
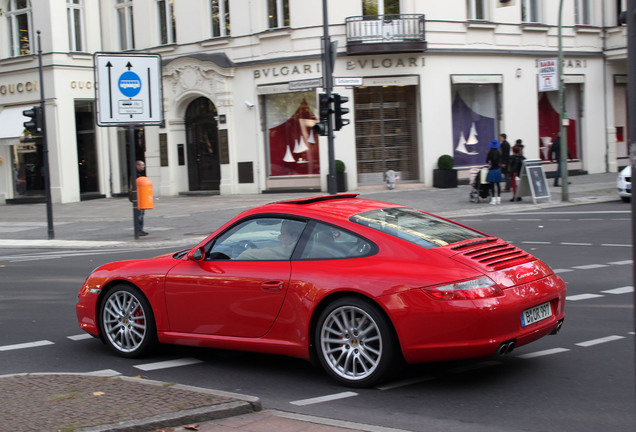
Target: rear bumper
(431, 330)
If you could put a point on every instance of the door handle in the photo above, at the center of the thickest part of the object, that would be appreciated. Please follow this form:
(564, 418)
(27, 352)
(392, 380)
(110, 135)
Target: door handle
(273, 286)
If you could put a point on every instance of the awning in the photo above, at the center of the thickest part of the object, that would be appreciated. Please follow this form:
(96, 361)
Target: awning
(12, 124)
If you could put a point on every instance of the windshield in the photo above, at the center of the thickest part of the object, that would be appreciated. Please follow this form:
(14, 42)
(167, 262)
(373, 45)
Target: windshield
(414, 226)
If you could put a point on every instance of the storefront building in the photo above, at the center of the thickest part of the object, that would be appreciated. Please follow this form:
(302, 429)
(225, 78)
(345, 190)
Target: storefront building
(422, 79)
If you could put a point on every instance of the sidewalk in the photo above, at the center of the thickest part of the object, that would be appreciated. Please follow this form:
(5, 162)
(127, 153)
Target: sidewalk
(91, 403)
(182, 221)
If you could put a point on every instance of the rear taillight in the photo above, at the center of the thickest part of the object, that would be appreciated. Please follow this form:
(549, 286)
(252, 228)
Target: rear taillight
(474, 289)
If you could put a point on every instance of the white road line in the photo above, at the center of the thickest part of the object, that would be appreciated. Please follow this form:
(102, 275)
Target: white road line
(26, 345)
(626, 262)
(562, 270)
(583, 297)
(615, 245)
(599, 341)
(590, 266)
(543, 353)
(529, 220)
(80, 337)
(404, 383)
(576, 244)
(168, 364)
(621, 290)
(536, 242)
(105, 373)
(322, 399)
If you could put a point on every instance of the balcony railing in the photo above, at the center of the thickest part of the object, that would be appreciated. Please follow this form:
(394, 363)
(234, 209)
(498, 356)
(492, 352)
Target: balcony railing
(371, 34)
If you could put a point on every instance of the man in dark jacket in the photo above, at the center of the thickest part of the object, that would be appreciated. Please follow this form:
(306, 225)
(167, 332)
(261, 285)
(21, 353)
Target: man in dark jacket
(504, 148)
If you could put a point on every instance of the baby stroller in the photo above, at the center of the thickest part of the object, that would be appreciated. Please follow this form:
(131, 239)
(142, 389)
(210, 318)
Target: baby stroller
(480, 187)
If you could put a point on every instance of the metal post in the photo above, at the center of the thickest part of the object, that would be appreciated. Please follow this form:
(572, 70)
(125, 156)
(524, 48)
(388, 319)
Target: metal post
(563, 132)
(133, 178)
(327, 75)
(631, 116)
(45, 150)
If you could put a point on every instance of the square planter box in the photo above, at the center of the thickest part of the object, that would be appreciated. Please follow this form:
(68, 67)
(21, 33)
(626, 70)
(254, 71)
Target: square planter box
(445, 178)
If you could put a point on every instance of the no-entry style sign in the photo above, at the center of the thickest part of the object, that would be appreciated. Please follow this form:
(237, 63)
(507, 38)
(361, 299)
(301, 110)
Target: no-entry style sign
(128, 89)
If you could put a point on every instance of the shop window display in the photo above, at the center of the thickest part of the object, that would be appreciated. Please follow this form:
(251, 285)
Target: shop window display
(292, 144)
(474, 113)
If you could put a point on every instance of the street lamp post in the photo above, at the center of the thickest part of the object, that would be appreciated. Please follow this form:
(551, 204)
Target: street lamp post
(563, 132)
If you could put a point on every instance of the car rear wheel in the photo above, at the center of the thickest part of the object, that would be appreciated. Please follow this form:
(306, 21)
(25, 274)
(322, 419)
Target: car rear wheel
(355, 342)
(127, 322)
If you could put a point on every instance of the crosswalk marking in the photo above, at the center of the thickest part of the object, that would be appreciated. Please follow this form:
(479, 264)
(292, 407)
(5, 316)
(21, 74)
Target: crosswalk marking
(80, 337)
(621, 290)
(26, 345)
(543, 353)
(583, 297)
(599, 341)
(168, 364)
(322, 399)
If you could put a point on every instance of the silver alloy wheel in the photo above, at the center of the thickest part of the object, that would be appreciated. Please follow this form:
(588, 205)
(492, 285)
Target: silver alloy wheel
(351, 343)
(124, 321)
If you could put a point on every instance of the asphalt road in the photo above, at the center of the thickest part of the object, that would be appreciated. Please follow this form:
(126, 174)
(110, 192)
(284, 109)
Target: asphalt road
(579, 380)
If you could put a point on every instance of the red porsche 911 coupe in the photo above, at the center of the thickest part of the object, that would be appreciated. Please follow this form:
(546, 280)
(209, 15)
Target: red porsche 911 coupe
(358, 284)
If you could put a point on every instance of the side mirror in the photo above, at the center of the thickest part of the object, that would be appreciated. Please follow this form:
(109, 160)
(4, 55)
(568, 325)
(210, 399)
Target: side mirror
(197, 254)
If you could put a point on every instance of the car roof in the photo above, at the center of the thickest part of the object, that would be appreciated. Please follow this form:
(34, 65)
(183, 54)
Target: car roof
(341, 206)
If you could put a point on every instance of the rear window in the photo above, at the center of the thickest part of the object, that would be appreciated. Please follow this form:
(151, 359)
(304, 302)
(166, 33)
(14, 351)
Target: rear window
(415, 227)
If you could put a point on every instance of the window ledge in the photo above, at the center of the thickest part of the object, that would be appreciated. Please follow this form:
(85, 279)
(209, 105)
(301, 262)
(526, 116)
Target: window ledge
(221, 40)
(534, 27)
(165, 48)
(481, 24)
(20, 59)
(276, 32)
(580, 28)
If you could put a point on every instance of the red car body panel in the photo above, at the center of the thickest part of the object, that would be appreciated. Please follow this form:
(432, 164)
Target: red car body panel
(271, 306)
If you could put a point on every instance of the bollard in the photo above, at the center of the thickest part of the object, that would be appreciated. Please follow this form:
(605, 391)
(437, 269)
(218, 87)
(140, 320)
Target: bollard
(144, 193)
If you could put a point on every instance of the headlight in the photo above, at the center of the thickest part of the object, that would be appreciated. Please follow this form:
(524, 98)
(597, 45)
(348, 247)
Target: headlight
(479, 288)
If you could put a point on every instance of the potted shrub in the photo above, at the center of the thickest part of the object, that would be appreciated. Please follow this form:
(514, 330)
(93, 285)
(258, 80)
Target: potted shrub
(341, 176)
(445, 176)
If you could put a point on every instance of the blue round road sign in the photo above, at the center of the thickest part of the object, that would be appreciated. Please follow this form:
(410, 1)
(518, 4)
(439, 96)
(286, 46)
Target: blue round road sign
(129, 84)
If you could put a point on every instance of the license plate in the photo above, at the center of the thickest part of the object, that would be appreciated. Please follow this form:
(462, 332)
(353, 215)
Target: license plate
(536, 314)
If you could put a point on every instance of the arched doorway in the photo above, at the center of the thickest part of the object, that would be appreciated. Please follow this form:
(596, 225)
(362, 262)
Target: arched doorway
(204, 169)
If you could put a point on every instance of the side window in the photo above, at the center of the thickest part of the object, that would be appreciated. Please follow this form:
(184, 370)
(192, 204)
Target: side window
(330, 242)
(263, 239)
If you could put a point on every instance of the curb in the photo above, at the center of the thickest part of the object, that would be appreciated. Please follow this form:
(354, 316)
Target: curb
(61, 401)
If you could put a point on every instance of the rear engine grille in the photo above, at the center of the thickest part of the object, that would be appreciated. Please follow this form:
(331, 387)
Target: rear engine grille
(493, 253)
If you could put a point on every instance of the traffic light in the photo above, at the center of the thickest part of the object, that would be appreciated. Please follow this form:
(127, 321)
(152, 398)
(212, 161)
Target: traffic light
(34, 126)
(324, 109)
(340, 111)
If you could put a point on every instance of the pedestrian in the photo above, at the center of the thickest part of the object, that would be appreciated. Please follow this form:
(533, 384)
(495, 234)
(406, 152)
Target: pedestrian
(141, 166)
(390, 177)
(504, 148)
(516, 164)
(555, 150)
(494, 177)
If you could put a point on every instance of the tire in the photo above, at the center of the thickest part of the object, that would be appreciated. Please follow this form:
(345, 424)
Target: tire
(126, 321)
(626, 199)
(355, 342)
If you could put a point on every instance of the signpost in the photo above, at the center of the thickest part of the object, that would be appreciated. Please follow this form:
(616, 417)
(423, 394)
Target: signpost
(533, 181)
(129, 93)
(128, 90)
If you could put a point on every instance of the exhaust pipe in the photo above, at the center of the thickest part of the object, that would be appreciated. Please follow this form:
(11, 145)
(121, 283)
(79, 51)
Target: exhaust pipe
(506, 348)
(558, 327)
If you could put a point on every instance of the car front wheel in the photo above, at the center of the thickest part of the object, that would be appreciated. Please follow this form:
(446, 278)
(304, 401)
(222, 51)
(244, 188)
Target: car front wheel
(355, 342)
(127, 322)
